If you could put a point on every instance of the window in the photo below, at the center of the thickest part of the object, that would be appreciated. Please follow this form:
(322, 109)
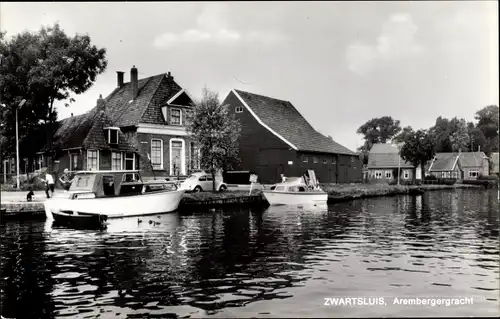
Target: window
(175, 117)
(73, 162)
(177, 160)
(157, 153)
(129, 161)
(239, 109)
(131, 178)
(304, 159)
(324, 161)
(334, 160)
(92, 160)
(352, 159)
(378, 175)
(202, 178)
(112, 136)
(388, 174)
(406, 175)
(315, 159)
(473, 173)
(40, 161)
(116, 161)
(195, 157)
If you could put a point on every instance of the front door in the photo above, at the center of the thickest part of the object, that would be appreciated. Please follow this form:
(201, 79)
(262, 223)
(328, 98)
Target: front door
(176, 165)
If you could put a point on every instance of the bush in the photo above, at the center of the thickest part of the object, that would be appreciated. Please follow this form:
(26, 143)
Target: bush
(393, 182)
(447, 181)
(488, 178)
(430, 178)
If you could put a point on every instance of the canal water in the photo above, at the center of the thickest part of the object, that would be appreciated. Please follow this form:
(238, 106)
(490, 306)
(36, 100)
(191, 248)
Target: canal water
(279, 262)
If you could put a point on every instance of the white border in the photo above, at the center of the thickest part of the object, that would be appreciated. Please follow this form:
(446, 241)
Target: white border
(183, 156)
(160, 129)
(151, 153)
(262, 123)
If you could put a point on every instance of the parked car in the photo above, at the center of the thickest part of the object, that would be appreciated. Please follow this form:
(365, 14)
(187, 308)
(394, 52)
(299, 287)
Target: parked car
(201, 181)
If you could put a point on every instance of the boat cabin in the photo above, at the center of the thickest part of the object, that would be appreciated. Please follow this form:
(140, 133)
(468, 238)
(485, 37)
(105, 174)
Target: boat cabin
(114, 183)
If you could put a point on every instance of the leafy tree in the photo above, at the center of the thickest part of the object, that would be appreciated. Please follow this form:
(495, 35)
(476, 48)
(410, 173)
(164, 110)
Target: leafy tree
(476, 138)
(216, 132)
(403, 135)
(379, 130)
(418, 149)
(488, 122)
(44, 67)
(459, 137)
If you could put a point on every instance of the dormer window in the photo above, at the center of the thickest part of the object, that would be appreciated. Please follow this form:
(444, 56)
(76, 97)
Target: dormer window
(176, 117)
(112, 134)
(239, 109)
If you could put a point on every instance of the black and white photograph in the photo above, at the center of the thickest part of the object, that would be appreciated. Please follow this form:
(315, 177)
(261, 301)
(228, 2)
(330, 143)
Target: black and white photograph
(249, 159)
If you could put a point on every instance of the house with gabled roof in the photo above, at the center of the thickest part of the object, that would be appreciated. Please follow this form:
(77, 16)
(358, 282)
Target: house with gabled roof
(461, 165)
(139, 125)
(384, 162)
(276, 139)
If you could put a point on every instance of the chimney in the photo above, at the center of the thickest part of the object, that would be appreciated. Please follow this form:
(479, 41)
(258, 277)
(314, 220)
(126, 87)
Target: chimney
(101, 104)
(120, 78)
(71, 114)
(134, 81)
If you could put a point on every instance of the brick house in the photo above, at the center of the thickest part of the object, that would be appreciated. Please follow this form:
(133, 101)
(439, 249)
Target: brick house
(140, 125)
(462, 165)
(276, 139)
(384, 161)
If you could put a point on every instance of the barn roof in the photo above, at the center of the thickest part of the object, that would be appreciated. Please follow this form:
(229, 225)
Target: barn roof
(283, 120)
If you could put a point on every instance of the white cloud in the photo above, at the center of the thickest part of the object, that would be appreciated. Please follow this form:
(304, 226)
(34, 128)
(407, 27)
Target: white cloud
(212, 27)
(396, 40)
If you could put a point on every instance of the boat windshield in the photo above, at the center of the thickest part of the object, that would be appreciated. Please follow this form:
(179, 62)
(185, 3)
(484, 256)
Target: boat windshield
(83, 182)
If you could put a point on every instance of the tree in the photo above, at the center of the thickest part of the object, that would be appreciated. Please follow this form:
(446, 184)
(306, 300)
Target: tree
(418, 149)
(216, 132)
(488, 122)
(379, 130)
(44, 67)
(403, 135)
(459, 137)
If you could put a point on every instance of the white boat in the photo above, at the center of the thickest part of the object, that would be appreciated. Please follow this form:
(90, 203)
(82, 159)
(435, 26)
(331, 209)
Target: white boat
(114, 194)
(294, 191)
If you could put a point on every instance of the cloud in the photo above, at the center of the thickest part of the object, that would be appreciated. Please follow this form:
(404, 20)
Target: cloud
(397, 40)
(212, 27)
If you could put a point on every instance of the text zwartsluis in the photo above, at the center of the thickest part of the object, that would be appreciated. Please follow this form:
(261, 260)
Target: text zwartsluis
(377, 301)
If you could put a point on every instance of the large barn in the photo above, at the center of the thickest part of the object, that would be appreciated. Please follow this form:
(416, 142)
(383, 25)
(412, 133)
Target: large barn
(276, 139)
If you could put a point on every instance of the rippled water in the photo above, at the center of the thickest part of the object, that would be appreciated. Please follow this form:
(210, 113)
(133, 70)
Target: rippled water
(279, 262)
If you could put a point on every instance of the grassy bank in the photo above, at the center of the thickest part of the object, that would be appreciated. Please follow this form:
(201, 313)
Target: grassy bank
(344, 192)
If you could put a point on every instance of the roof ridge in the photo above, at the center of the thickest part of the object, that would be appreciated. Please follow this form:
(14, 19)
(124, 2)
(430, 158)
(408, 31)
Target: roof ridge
(266, 96)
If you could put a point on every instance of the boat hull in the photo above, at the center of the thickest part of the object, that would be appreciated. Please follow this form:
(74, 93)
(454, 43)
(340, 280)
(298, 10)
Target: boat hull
(85, 221)
(295, 198)
(120, 206)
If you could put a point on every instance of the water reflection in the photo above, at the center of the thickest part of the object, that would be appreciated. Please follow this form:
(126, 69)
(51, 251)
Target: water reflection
(243, 262)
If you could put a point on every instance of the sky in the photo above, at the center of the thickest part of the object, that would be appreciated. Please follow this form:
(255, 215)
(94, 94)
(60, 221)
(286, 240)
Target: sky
(339, 63)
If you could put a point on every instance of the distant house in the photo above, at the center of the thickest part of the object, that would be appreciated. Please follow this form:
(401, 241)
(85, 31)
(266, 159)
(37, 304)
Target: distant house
(461, 165)
(494, 164)
(140, 125)
(276, 139)
(384, 161)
